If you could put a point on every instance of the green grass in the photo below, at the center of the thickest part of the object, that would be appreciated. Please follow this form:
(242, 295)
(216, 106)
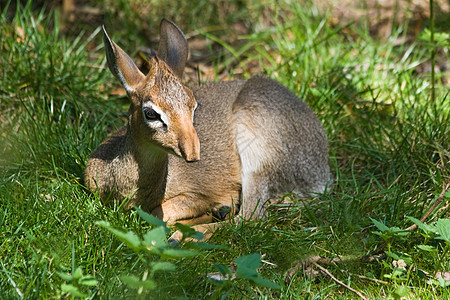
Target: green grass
(389, 151)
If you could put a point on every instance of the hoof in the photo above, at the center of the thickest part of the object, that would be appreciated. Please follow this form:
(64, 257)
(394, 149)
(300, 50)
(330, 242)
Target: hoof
(222, 213)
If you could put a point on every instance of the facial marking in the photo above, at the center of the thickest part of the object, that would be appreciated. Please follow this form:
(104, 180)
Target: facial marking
(154, 116)
(164, 93)
(193, 111)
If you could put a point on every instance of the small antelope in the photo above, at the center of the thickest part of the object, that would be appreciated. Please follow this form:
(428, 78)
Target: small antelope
(187, 153)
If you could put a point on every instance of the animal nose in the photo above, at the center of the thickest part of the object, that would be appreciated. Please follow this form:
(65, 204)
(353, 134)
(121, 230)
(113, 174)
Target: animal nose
(189, 144)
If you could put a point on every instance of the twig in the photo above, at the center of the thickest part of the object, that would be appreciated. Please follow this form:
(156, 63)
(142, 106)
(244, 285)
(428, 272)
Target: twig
(432, 208)
(374, 255)
(442, 209)
(338, 281)
(372, 279)
(305, 263)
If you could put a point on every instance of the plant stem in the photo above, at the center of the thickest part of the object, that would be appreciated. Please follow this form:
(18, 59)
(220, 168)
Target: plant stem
(338, 281)
(433, 56)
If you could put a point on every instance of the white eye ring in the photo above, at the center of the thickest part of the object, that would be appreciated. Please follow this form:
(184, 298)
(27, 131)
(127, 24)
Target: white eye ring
(154, 116)
(151, 115)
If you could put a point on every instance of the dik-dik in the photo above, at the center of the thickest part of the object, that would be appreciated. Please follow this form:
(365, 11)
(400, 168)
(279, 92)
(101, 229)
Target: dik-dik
(189, 152)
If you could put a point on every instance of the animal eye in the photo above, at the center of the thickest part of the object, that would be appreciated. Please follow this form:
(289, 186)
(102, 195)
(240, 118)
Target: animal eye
(151, 115)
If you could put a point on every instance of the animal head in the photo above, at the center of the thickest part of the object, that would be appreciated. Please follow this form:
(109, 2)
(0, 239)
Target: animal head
(162, 108)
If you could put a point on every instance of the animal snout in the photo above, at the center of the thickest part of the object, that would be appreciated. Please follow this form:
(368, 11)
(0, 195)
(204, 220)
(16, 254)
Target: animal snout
(189, 145)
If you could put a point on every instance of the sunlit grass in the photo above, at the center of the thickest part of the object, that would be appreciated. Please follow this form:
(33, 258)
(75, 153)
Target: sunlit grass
(389, 153)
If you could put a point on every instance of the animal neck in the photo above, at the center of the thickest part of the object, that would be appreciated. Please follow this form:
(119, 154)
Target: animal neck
(152, 160)
(152, 163)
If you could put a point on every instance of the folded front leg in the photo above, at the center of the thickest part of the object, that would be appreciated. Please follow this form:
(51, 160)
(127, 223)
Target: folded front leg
(182, 209)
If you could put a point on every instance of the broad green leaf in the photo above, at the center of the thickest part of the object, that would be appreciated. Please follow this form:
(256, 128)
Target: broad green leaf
(177, 253)
(379, 233)
(443, 228)
(259, 280)
(129, 238)
(427, 248)
(88, 281)
(155, 238)
(148, 284)
(252, 261)
(401, 291)
(407, 259)
(400, 232)
(246, 273)
(441, 281)
(392, 255)
(152, 220)
(78, 273)
(247, 266)
(426, 228)
(104, 224)
(205, 246)
(72, 290)
(131, 280)
(399, 256)
(163, 266)
(135, 282)
(185, 229)
(189, 232)
(441, 38)
(65, 276)
(379, 225)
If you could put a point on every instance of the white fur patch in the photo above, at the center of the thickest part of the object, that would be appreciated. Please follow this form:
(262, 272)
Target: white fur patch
(193, 111)
(252, 149)
(163, 116)
(128, 88)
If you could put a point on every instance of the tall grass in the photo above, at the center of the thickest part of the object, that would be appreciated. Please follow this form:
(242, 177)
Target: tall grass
(389, 152)
(53, 103)
(51, 95)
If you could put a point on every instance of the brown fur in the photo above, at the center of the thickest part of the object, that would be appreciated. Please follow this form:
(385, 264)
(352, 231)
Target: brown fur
(249, 141)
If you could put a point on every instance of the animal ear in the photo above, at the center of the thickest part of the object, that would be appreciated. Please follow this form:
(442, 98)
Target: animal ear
(173, 47)
(121, 65)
